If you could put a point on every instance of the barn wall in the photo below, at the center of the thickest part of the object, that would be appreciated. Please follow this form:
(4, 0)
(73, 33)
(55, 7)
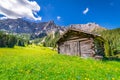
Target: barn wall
(80, 44)
(87, 48)
(69, 48)
(80, 47)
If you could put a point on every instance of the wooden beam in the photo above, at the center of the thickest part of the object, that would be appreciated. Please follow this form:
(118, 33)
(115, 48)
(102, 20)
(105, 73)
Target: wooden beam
(74, 40)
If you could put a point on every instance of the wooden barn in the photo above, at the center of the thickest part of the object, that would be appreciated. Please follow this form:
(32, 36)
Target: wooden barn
(80, 43)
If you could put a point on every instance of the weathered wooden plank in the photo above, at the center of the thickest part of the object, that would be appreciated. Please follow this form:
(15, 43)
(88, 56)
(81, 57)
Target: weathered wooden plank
(86, 48)
(77, 39)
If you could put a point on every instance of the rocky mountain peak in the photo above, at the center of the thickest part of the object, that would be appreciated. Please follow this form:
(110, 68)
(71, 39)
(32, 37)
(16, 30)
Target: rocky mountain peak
(19, 26)
(89, 27)
(42, 29)
(51, 22)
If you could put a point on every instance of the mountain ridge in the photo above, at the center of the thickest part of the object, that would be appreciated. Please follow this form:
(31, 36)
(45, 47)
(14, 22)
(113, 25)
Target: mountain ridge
(41, 29)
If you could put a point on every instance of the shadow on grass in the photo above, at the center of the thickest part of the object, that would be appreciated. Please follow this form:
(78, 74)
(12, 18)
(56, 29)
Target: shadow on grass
(112, 58)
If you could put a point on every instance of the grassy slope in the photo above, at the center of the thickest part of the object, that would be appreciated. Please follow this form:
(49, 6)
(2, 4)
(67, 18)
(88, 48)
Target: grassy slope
(44, 64)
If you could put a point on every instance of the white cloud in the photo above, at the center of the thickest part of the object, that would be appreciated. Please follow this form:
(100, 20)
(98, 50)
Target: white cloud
(14, 9)
(1, 18)
(86, 11)
(58, 18)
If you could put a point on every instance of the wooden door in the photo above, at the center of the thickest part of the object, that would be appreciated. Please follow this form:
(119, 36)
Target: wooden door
(86, 48)
(72, 48)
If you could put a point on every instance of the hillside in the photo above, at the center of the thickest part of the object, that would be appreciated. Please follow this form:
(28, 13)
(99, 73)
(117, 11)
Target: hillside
(40, 63)
(113, 38)
(48, 32)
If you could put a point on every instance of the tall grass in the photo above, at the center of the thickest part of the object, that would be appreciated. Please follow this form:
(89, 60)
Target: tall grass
(39, 63)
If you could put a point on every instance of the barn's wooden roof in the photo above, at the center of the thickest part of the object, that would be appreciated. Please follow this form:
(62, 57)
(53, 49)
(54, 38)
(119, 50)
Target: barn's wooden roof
(81, 31)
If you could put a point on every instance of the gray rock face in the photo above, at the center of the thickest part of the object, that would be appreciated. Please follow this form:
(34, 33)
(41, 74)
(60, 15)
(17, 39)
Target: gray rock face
(35, 29)
(89, 27)
(42, 29)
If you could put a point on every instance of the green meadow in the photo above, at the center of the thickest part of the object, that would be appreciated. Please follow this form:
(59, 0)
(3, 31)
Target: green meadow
(40, 63)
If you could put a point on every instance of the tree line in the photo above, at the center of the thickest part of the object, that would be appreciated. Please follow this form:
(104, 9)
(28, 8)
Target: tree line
(7, 40)
(113, 39)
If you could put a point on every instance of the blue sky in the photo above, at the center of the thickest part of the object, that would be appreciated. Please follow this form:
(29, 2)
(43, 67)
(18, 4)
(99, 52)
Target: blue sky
(103, 12)
(64, 12)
